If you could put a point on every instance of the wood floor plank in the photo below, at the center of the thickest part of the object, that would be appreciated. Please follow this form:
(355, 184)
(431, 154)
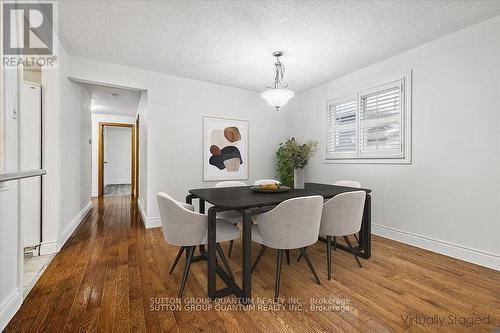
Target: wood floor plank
(112, 276)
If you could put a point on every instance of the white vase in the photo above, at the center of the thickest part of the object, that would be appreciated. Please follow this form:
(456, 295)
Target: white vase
(299, 178)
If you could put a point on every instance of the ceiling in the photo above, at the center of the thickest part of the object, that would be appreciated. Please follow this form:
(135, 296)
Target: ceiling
(103, 101)
(231, 42)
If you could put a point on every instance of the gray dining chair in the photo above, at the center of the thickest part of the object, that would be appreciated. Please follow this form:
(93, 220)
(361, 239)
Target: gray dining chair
(293, 224)
(348, 183)
(232, 216)
(183, 227)
(342, 216)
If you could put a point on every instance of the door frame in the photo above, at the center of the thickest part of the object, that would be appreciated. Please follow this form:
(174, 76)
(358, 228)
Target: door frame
(137, 157)
(100, 156)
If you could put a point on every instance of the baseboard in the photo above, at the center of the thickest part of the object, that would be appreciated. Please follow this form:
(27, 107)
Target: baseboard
(153, 222)
(68, 231)
(118, 182)
(94, 194)
(9, 308)
(48, 247)
(468, 254)
(140, 204)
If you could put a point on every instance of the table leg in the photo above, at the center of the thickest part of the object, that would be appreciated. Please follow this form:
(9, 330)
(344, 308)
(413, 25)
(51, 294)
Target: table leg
(365, 235)
(246, 262)
(189, 200)
(202, 211)
(212, 261)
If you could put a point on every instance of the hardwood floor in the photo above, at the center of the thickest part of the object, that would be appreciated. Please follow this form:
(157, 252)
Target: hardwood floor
(110, 272)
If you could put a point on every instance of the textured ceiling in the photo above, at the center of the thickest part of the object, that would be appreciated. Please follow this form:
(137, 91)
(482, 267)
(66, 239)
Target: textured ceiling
(231, 42)
(103, 101)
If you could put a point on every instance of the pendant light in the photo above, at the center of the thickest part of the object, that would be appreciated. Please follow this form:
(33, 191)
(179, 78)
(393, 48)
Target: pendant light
(277, 93)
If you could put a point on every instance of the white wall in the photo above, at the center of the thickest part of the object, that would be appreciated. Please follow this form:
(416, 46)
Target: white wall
(176, 107)
(51, 96)
(117, 155)
(142, 112)
(96, 119)
(75, 154)
(448, 199)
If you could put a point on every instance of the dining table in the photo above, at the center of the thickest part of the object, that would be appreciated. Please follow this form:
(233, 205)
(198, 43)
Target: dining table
(247, 202)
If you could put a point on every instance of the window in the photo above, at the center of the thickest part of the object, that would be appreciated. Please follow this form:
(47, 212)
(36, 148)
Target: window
(371, 125)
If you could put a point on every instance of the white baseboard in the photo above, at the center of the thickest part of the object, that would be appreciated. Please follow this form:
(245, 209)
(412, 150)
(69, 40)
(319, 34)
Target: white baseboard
(9, 308)
(48, 247)
(68, 231)
(94, 194)
(153, 222)
(118, 182)
(468, 254)
(142, 210)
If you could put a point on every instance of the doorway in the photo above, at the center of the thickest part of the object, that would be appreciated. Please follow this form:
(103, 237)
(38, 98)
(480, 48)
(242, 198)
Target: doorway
(117, 166)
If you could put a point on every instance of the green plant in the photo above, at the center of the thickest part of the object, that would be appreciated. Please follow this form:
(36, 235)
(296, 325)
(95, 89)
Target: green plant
(293, 155)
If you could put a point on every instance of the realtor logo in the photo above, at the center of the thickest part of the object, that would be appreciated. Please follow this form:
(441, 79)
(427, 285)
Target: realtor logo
(28, 33)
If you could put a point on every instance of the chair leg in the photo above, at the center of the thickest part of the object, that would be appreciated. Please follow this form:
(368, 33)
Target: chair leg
(262, 250)
(300, 256)
(279, 260)
(231, 243)
(329, 256)
(309, 263)
(356, 236)
(334, 243)
(352, 250)
(224, 261)
(189, 257)
(287, 252)
(179, 254)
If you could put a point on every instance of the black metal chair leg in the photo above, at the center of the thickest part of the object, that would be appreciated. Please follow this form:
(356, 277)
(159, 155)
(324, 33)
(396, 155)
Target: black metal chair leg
(179, 254)
(287, 252)
(357, 239)
(329, 256)
(189, 257)
(309, 263)
(334, 243)
(279, 260)
(231, 243)
(300, 256)
(224, 261)
(262, 250)
(352, 250)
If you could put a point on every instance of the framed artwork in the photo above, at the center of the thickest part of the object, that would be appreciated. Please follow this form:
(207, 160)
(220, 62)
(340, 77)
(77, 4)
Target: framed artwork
(225, 149)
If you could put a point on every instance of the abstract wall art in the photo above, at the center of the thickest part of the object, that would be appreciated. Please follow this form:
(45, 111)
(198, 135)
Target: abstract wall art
(225, 149)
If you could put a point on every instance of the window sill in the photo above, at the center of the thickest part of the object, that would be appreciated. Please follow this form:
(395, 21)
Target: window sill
(368, 161)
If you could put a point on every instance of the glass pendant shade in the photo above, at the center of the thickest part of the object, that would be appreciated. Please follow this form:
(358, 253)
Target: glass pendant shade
(277, 97)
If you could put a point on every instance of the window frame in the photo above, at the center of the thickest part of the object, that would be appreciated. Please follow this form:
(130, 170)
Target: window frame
(357, 157)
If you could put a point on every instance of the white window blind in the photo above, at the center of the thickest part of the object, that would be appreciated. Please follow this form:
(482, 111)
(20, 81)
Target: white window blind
(341, 133)
(371, 125)
(380, 121)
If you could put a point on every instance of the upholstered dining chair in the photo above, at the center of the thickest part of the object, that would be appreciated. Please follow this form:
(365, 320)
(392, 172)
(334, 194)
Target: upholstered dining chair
(293, 224)
(183, 227)
(348, 183)
(342, 216)
(232, 216)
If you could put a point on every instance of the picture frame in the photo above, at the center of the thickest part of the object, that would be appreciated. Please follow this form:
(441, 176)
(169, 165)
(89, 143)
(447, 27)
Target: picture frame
(225, 149)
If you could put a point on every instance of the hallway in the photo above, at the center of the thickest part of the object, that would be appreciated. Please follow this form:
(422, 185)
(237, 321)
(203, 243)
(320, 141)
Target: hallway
(111, 270)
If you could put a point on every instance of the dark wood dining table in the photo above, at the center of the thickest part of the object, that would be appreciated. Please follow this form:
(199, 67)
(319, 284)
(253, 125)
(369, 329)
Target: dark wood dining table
(244, 200)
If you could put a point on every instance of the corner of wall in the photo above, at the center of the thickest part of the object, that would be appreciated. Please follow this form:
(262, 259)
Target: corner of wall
(9, 308)
(68, 231)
